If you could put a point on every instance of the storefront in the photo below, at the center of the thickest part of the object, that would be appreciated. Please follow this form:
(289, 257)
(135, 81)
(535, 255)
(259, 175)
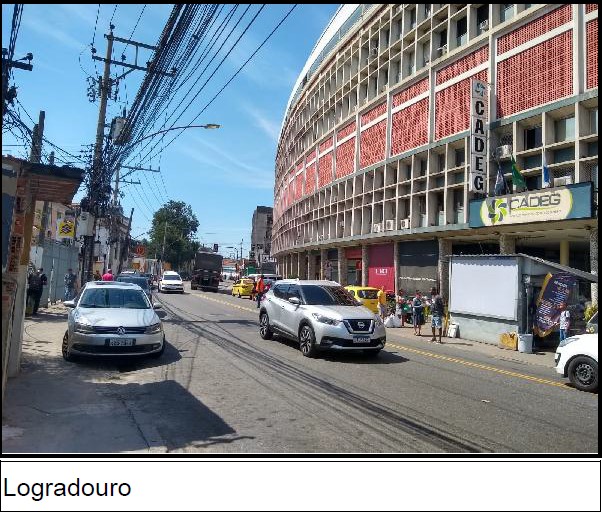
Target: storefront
(332, 265)
(381, 269)
(353, 255)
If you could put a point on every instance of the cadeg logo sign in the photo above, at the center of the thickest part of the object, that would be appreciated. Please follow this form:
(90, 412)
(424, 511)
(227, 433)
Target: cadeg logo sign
(497, 209)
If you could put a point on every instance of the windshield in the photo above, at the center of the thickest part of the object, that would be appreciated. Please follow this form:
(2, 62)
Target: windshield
(367, 294)
(327, 296)
(140, 281)
(114, 298)
(171, 277)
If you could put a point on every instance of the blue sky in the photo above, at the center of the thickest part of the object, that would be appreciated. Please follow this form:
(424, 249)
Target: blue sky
(223, 174)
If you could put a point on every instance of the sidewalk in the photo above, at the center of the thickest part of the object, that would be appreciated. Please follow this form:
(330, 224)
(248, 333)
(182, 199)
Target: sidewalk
(56, 407)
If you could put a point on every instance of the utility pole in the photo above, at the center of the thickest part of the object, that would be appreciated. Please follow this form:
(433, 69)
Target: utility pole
(163, 250)
(125, 251)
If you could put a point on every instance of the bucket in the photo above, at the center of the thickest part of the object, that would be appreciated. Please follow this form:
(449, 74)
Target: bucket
(525, 343)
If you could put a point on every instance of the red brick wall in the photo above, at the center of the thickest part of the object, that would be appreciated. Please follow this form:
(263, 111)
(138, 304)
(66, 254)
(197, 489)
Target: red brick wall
(326, 144)
(536, 76)
(411, 92)
(452, 107)
(372, 144)
(325, 170)
(348, 130)
(310, 179)
(345, 158)
(534, 29)
(410, 127)
(592, 53)
(298, 187)
(472, 60)
(371, 115)
(591, 8)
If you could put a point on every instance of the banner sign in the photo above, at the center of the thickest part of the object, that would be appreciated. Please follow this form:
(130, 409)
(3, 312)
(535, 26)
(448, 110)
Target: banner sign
(66, 227)
(477, 176)
(558, 203)
(554, 292)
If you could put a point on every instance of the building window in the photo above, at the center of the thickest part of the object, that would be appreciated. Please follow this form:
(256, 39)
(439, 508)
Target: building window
(482, 19)
(462, 31)
(593, 120)
(565, 129)
(441, 162)
(531, 162)
(533, 182)
(427, 10)
(505, 12)
(460, 157)
(564, 155)
(412, 14)
(533, 137)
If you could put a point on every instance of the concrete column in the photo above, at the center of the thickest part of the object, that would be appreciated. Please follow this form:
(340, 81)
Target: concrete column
(301, 265)
(564, 252)
(311, 265)
(342, 266)
(507, 244)
(365, 263)
(593, 261)
(323, 260)
(445, 250)
(295, 260)
(396, 266)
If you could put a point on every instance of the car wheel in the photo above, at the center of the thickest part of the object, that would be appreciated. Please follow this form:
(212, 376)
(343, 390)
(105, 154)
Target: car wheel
(264, 327)
(372, 353)
(67, 354)
(583, 373)
(307, 341)
(157, 355)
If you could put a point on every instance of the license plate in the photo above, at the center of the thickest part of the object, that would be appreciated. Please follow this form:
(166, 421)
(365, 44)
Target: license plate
(121, 342)
(361, 339)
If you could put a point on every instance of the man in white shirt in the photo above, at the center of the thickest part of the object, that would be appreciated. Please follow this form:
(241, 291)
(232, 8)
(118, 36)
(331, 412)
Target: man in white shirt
(565, 321)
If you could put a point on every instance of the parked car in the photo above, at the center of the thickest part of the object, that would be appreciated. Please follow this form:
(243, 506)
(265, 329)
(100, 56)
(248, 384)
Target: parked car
(112, 318)
(366, 295)
(577, 358)
(592, 324)
(320, 315)
(171, 282)
(243, 288)
(141, 281)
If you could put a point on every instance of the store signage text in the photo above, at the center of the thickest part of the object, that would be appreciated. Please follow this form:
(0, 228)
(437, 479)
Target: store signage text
(478, 137)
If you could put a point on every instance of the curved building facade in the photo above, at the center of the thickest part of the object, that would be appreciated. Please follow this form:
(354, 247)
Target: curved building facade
(388, 159)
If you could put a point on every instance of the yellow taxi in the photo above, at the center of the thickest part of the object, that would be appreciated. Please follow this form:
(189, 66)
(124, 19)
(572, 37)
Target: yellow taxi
(243, 288)
(366, 295)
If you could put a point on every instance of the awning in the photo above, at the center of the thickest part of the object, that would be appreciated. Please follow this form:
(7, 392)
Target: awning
(586, 276)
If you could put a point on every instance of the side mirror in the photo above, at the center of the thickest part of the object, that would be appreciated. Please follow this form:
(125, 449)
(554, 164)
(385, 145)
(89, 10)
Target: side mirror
(156, 305)
(295, 301)
(69, 304)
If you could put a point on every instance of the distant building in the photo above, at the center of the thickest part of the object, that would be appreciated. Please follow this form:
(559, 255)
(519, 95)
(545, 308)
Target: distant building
(261, 234)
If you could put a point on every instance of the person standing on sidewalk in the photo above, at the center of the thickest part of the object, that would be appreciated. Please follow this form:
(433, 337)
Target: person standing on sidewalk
(565, 321)
(70, 279)
(259, 289)
(399, 303)
(437, 315)
(97, 276)
(382, 302)
(36, 282)
(108, 276)
(417, 313)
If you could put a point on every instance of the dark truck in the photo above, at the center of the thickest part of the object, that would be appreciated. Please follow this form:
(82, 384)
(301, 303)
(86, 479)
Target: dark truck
(207, 271)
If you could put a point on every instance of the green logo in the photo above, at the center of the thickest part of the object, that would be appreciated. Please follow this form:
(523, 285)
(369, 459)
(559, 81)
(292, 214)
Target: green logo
(497, 209)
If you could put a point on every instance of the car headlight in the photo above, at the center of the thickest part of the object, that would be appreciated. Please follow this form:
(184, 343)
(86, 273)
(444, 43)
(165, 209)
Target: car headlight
(566, 341)
(378, 321)
(154, 329)
(84, 328)
(325, 320)
(590, 329)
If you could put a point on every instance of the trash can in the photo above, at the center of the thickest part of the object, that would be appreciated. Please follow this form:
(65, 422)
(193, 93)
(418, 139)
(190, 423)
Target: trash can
(525, 343)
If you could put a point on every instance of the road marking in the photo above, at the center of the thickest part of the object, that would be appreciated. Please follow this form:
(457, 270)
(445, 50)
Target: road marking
(434, 356)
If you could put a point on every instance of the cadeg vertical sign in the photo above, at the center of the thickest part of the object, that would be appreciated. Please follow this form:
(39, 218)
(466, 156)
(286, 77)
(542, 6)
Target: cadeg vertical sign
(478, 137)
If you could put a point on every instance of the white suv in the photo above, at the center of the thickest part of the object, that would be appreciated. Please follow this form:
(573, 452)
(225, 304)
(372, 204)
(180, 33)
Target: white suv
(171, 282)
(577, 358)
(321, 315)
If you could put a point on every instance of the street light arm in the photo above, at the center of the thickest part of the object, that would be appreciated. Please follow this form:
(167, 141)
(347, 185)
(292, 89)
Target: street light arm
(209, 126)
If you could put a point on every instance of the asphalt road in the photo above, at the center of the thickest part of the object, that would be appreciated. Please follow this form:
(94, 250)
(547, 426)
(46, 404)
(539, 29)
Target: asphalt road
(221, 388)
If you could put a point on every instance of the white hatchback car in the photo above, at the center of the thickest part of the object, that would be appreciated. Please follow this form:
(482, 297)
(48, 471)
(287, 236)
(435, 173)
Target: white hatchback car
(577, 358)
(171, 282)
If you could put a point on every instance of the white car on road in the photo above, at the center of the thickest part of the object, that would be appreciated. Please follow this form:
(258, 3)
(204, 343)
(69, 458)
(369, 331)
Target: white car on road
(171, 282)
(577, 358)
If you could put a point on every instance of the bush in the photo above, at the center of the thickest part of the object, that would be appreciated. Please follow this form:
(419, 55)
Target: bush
(589, 311)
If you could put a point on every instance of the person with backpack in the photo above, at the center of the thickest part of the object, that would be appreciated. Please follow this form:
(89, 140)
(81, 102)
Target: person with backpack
(437, 311)
(36, 282)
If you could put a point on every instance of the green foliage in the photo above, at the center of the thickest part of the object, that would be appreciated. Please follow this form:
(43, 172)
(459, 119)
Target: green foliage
(173, 227)
(589, 311)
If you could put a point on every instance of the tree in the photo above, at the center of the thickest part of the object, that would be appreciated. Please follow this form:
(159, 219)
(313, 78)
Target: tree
(174, 224)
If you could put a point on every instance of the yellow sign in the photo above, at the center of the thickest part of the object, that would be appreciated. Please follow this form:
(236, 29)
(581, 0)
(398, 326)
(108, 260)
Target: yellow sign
(66, 228)
(136, 265)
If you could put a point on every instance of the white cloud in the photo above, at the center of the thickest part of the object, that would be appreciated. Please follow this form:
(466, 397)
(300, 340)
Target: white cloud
(44, 28)
(269, 126)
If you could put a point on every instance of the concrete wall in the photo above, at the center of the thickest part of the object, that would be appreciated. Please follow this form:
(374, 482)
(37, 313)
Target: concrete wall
(487, 330)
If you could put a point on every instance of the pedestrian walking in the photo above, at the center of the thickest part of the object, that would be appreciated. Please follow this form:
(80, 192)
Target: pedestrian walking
(382, 302)
(399, 304)
(97, 276)
(260, 290)
(417, 313)
(36, 282)
(70, 279)
(437, 308)
(108, 276)
(565, 321)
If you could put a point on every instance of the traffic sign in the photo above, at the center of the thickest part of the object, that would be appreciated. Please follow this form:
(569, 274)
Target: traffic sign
(140, 250)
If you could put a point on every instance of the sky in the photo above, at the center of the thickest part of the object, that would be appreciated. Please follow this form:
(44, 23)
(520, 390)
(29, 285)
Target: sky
(222, 174)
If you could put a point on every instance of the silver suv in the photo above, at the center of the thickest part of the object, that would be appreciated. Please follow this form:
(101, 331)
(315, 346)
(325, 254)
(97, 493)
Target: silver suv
(321, 315)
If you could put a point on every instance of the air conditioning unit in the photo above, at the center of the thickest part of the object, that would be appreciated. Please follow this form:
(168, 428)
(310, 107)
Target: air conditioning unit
(426, 61)
(399, 77)
(384, 88)
(504, 151)
(484, 25)
(85, 224)
(377, 228)
(404, 224)
(442, 50)
(389, 225)
(564, 180)
(341, 224)
(398, 9)
(374, 52)
(320, 238)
